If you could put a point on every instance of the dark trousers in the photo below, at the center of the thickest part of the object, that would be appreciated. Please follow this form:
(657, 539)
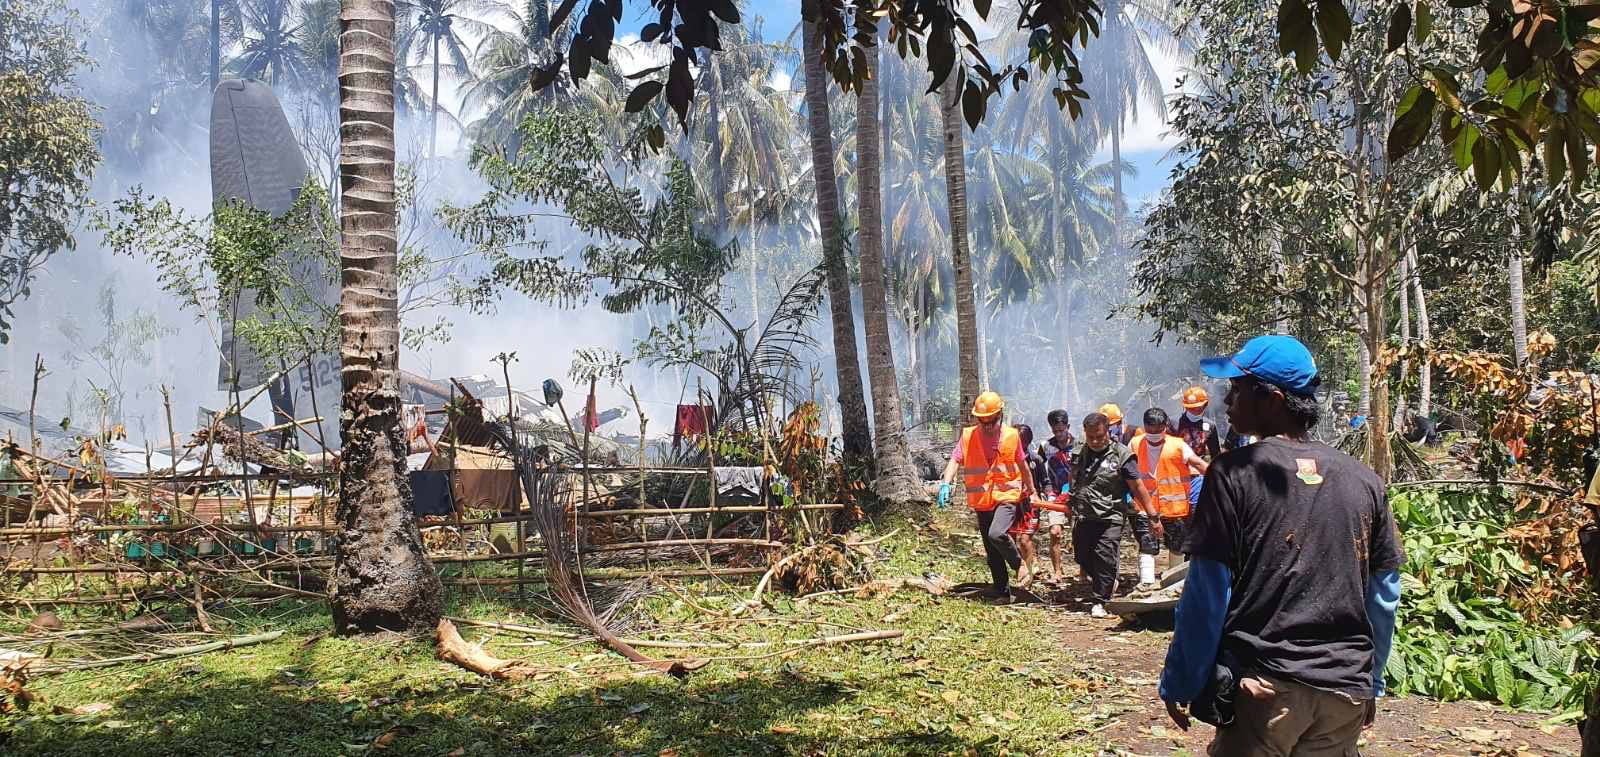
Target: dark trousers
(1148, 543)
(998, 547)
(1175, 534)
(1097, 547)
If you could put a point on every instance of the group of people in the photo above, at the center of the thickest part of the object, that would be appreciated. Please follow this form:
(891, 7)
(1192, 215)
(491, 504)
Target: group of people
(1144, 477)
(1288, 607)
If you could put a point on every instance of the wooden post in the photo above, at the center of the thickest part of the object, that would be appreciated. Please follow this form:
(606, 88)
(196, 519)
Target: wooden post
(516, 458)
(711, 458)
(639, 410)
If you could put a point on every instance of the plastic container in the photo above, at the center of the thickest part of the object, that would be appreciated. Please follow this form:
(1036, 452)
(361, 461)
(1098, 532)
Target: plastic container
(134, 550)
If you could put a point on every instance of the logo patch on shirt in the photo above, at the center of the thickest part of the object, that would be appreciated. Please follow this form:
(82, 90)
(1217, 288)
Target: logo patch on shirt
(1308, 471)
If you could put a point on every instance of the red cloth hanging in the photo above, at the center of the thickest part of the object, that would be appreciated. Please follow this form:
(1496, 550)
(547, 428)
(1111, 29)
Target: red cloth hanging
(692, 421)
(591, 418)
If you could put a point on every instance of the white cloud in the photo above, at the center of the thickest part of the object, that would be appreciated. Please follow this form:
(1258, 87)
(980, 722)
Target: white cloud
(1150, 132)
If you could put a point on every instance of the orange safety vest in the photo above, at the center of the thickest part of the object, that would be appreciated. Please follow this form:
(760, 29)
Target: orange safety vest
(1165, 478)
(990, 482)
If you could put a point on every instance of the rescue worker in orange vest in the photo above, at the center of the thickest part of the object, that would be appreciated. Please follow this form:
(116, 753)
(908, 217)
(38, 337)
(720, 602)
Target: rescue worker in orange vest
(1118, 430)
(993, 467)
(1194, 428)
(1166, 465)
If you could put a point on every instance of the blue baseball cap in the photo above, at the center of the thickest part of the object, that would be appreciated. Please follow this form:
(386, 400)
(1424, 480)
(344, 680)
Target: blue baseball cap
(1281, 361)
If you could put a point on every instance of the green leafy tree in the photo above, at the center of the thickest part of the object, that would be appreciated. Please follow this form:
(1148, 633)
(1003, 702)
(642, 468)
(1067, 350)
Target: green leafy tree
(47, 142)
(645, 254)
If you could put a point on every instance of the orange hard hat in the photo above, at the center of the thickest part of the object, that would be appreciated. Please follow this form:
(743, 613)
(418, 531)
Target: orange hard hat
(988, 404)
(1112, 413)
(1195, 397)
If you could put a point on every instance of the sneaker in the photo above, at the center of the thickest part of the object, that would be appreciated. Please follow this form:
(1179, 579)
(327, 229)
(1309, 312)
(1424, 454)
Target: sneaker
(1098, 611)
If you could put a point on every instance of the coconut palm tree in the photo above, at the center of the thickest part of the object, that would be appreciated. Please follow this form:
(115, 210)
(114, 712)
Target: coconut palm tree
(1120, 73)
(744, 127)
(968, 345)
(506, 60)
(852, 401)
(272, 49)
(382, 578)
(897, 480)
(440, 23)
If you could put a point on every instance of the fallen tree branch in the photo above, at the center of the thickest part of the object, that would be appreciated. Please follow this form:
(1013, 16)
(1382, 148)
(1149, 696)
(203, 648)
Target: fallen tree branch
(451, 648)
(159, 654)
(821, 641)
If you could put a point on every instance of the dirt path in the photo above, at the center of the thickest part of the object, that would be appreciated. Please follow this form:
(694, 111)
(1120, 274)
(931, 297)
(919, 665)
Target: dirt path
(1123, 663)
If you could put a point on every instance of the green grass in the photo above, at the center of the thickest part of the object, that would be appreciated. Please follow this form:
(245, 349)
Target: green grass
(965, 678)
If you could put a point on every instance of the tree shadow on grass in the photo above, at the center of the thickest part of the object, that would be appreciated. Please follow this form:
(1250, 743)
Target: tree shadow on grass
(184, 710)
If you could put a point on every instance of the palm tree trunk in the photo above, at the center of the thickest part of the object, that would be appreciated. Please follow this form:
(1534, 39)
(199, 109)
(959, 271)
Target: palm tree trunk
(719, 182)
(1053, 251)
(1424, 335)
(433, 126)
(968, 346)
(750, 253)
(1119, 203)
(382, 578)
(897, 479)
(852, 400)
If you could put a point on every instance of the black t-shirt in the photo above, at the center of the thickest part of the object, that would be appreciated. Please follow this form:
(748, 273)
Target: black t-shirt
(1302, 527)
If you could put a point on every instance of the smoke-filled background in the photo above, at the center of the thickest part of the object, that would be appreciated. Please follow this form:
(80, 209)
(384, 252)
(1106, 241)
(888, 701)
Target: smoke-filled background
(1053, 204)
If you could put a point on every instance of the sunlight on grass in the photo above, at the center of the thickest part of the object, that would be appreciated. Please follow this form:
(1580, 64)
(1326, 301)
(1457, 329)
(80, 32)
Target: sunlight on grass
(966, 677)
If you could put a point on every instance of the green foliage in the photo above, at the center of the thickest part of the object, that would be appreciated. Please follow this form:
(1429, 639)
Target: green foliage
(640, 255)
(643, 253)
(1460, 633)
(282, 265)
(1540, 92)
(47, 142)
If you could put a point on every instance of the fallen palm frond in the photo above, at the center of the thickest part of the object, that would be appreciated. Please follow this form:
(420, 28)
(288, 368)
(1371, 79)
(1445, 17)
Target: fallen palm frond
(14, 694)
(1408, 464)
(60, 666)
(831, 564)
(545, 487)
(668, 644)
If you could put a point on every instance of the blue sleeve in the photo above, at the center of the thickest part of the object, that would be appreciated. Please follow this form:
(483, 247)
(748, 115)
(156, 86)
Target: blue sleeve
(1197, 632)
(1383, 598)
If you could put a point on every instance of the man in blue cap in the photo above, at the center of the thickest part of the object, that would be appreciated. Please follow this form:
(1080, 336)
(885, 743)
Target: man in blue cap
(1287, 614)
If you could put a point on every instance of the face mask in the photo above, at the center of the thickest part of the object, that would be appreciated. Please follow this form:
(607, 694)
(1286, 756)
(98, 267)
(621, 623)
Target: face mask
(1193, 417)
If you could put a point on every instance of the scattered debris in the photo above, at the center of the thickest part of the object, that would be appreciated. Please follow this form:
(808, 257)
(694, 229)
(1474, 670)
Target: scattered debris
(44, 622)
(932, 583)
(59, 666)
(454, 649)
